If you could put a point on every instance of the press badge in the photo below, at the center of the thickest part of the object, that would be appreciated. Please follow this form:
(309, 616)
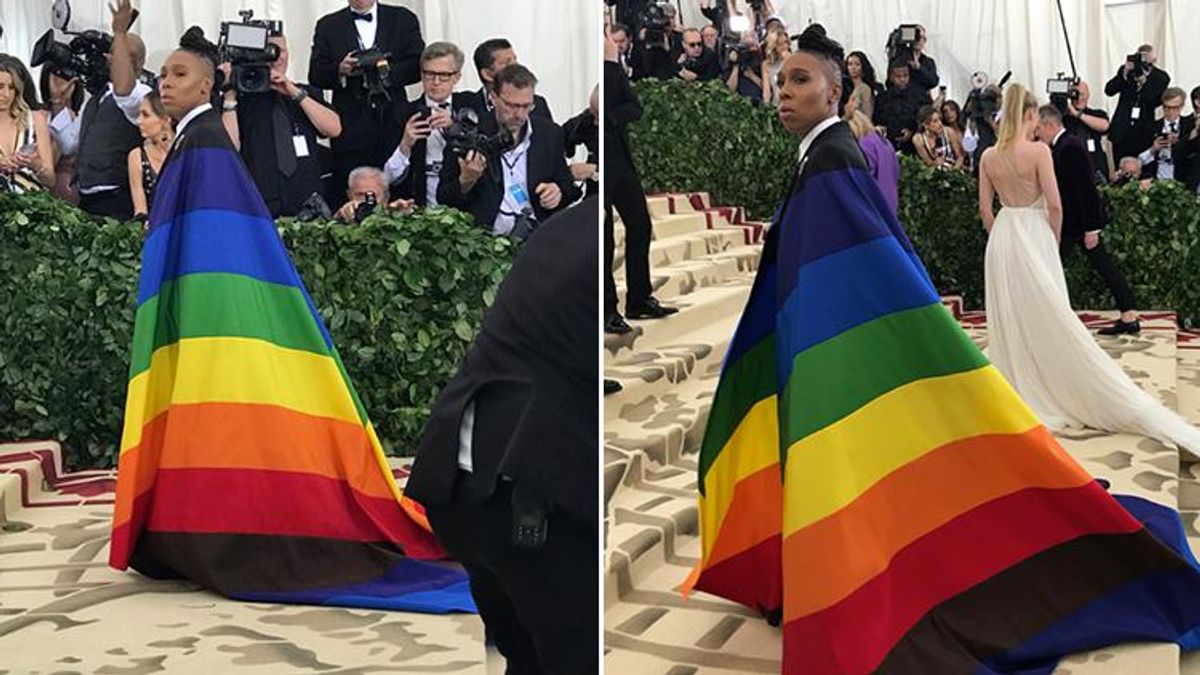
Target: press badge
(1135, 113)
(517, 192)
(301, 144)
(1091, 145)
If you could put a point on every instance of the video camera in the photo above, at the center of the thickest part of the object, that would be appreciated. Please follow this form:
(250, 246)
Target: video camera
(902, 42)
(1062, 90)
(85, 57)
(246, 47)
(464, 135)
(373, 66)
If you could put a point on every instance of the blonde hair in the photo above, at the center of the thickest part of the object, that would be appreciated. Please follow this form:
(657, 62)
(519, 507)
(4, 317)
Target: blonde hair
(19, 110)
(777, 42)
(860, 124)
(1017, 101)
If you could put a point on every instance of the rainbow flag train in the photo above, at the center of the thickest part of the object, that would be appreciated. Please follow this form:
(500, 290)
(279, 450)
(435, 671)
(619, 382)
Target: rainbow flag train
(869, 478)
(247, 462)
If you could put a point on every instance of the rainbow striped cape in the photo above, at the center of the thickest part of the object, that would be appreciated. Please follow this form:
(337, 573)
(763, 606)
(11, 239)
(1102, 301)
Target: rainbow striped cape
(868, 476)
(247, 462)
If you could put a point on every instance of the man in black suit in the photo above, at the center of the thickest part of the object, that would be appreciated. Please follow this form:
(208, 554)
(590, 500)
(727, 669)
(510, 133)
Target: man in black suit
(1084, 214)
(530, 179)
(507, 464)
(415, 167)
(1141, 87)
(492, 56)
(371, 122)
(1170, 154)
(623, 191)
(1190, 171)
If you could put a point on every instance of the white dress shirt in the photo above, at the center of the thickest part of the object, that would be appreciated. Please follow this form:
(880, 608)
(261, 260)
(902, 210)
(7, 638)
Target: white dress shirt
(1166, 164)
(515, 165)
(64, 129)
(367, 30)
(129, 105)
(435, 150)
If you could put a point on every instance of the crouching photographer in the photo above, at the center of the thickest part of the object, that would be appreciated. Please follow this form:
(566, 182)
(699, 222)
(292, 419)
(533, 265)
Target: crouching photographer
(366, 192)
(512, 173)
(273, 122)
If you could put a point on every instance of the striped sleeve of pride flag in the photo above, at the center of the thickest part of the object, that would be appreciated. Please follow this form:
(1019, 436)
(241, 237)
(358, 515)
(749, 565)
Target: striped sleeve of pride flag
(234, 381)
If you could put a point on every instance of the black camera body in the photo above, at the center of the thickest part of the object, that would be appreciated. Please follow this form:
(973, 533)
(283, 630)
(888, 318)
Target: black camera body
(902, 43)
(1140, 67)
(366, 208)
(657, 24)
(1063, 90)
(464, 136)
(84, 57)
(244, 45)
(983, 104)
(374, 67)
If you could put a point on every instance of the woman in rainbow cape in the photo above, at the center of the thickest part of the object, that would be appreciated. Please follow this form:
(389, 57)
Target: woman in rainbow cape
(248, 464)
(870, 480)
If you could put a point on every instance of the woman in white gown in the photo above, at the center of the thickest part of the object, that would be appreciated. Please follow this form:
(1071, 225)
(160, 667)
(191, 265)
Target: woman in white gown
(1034, 337)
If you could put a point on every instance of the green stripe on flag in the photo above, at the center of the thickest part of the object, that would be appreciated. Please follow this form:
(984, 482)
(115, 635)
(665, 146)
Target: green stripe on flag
(743, 384)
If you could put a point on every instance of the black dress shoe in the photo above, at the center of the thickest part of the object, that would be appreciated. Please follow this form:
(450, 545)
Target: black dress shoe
(612, 387)
(650, 308)
(616, 325)
(1122, 328)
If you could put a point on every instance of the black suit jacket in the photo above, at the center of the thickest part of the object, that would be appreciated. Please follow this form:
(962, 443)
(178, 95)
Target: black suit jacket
(532, 376)
(1082, 209)
(480, 104)
(412, 184)
(621, 107)
(544, 164)
(398, 33)
(1139, 132)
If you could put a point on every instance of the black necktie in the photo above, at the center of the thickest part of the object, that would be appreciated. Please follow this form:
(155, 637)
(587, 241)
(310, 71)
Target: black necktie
(362, 17)
(285, 148)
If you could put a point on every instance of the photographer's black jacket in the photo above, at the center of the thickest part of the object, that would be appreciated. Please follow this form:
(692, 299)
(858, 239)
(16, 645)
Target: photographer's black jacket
(1091, 140)
(897, 109)
(398, 33)
(706, 67)
(544, 164)
(582, 129)
(926, 76)
(412, 184)
(1130, 136)
(261, 141)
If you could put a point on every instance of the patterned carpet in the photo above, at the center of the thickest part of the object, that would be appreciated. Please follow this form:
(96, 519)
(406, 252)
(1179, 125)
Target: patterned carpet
(63, 610)
(653, 430)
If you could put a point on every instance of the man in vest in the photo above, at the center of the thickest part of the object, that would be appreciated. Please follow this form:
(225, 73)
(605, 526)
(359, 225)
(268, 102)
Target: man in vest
(108, 130)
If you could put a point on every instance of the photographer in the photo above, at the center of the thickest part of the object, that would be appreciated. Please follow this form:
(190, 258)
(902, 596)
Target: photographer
(108, 128)
(1088, 125)
(528, 181)
(697, 63)
(1171, 150)
(584, 129)
(923, 68)
(276, 133)
(417, 161)
(896, 107)
(1128, 169)
(745, 68)
(366, 96)
(659, 45)
(366, 189)
(1140, 85)
(64, 97)
(492, 56)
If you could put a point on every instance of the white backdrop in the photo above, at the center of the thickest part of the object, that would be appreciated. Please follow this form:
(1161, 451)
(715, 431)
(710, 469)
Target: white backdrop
(556, 39)
(1024, 36)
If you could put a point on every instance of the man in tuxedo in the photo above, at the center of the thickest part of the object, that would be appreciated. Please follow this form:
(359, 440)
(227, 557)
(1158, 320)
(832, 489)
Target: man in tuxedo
(1190, 171)
(506, 466)
(530, 178)
(1084, 214)
(623, 191)
(1140, 87)
(1173, 147)
(371, 123)
(492, 56)
(416, 165)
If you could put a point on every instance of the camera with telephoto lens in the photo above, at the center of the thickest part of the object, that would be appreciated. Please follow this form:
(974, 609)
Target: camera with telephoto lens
(366, 207)
(1063, 91)
(245, 46)
(656, 23)
(373, 66)
(902, 43)
(464, 136)
(84, 57)
(1140, 67)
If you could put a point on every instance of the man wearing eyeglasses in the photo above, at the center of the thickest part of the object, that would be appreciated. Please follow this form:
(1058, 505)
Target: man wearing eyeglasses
(530, 179)
(416, 165)
(371, 125)
(697, 63)
(1171, 147)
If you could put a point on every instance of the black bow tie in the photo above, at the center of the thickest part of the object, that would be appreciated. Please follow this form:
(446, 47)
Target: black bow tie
(362, 17)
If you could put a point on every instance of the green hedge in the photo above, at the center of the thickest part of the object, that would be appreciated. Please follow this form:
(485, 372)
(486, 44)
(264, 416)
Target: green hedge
(703, 138)
(402, 296)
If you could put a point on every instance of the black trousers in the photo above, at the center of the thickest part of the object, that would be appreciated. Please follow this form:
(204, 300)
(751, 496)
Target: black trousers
(539, 606)
(625, 193)
(111, 203)
(1102, 262)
